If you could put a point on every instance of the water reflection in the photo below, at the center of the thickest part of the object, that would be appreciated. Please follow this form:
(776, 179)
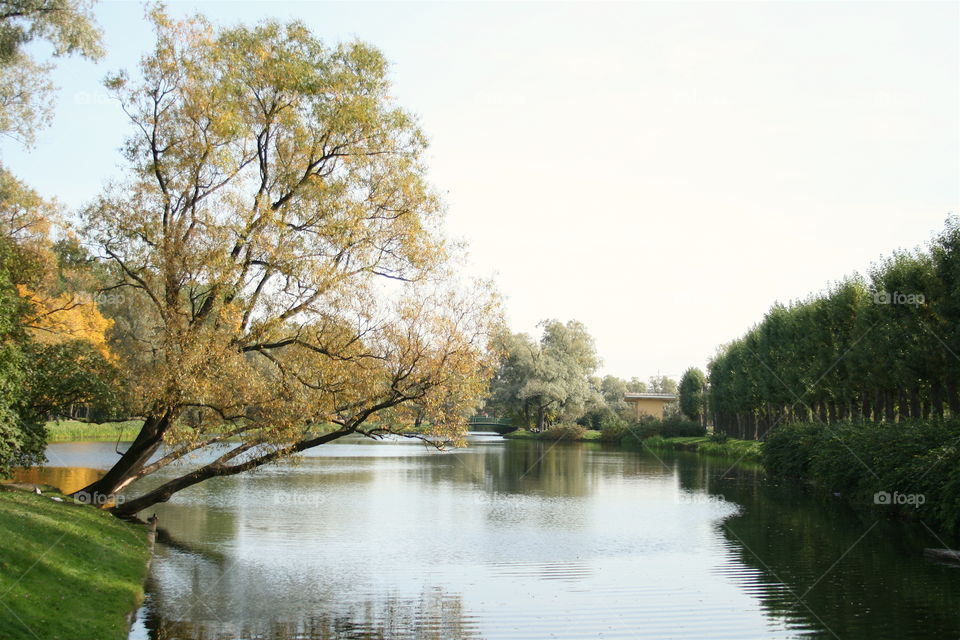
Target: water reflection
(522, 539)
(498, 540)
(849, 575)
(430, 615)
(67, 479)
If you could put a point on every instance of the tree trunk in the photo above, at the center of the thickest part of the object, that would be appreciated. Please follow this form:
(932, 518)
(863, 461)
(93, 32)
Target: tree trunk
(902, 408)
(953, 396)
(219, 468)
(936, 398)
(915, 401)
(133, 459)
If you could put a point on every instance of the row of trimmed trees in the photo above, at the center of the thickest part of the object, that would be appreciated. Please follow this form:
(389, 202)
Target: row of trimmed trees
(880, 348)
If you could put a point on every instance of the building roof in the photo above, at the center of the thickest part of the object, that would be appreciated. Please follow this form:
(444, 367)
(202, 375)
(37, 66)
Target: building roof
(649, 396)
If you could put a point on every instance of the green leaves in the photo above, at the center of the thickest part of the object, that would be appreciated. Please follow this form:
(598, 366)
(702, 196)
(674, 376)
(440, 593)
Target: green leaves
(693, 386)
(877, 349)
(71, 373)
(26, 92)
(278, 250)
(542, 383)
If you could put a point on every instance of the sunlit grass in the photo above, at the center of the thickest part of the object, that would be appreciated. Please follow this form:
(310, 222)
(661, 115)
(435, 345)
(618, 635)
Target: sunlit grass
(67, 430)
(588, 435)
(67, 571)
(744, 449)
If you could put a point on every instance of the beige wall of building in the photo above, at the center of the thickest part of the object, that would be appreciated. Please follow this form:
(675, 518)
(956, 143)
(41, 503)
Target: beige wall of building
(650, 404)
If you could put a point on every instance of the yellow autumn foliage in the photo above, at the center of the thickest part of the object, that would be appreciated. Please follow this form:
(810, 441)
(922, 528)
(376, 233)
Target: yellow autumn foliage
(56, 319)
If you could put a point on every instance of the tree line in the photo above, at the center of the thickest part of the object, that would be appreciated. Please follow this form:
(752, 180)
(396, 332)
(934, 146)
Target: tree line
(880, 348)
(545, 382)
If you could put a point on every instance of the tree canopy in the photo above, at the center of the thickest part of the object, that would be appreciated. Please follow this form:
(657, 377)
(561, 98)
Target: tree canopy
(541, 383)
(276, 233)
(880, 348)
(692, 390)
(54, 342)
(26, 92)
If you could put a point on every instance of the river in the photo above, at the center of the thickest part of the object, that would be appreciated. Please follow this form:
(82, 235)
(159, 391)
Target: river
(522, 539)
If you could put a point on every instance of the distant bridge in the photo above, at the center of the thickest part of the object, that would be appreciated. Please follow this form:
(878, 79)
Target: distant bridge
(499, 425)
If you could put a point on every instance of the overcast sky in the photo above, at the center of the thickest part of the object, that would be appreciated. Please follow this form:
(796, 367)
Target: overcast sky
(662, 172)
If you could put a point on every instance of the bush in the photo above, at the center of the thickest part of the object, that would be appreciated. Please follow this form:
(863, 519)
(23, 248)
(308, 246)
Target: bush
(788, 450)
(613, 428)
(864, 460)
(719, 437)
(670, 427)
(680, 427)
(594, 419)
(655, 442)
(564, 432)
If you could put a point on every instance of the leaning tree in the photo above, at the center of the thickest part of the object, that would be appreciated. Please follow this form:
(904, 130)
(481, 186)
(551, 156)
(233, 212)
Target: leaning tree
(278, 240)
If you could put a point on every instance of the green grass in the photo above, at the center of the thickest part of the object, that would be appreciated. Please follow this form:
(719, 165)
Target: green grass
(523, 434)
(66, 430)
(67, 571)
(748, 450)
(733, 448)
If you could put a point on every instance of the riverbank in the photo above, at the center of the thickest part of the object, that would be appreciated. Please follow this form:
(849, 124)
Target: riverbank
(729, 448)
(67, 571)
(908, 469)
(732, 448)
(523, 434)
(71, 430)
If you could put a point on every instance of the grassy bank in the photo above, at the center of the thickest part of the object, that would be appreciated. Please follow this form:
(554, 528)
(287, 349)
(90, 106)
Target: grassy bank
(67, 571)
(66, 430)
(731, 448)
(585, 436)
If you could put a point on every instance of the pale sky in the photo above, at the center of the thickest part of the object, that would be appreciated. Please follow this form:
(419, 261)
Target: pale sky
(662, 172)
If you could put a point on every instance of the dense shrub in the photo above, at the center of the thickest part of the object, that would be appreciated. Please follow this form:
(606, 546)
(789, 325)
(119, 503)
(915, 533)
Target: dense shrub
(595, 418)
(874, 465)
(668, 427)
(788, 450)
(674, 427)
(613, 428)
(719, 438)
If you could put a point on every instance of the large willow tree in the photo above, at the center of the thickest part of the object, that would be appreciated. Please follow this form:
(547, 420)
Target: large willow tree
(280, 244)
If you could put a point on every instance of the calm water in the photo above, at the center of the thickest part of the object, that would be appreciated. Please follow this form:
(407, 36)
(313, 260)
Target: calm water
(516, 539)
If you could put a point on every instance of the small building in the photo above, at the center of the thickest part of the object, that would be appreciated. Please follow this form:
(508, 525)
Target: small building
(649, 404)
